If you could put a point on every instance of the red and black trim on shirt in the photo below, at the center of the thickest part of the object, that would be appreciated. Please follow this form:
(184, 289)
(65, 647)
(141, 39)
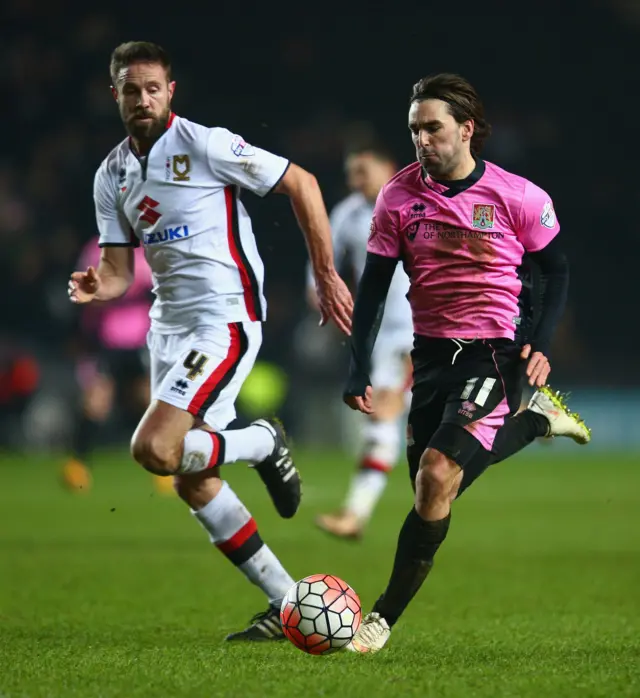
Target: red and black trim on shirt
(133, 242)
(250, 286)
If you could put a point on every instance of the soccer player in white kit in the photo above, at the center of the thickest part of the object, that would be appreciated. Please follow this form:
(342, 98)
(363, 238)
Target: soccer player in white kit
(173, 186)
(368, 168)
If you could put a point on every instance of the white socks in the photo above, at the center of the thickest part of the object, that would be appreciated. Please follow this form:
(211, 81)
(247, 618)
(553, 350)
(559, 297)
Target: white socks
(364, 493)
(381, 442)
(233, 531)
(205, 449)
(380, 453)
(253, 444)
(201, 451)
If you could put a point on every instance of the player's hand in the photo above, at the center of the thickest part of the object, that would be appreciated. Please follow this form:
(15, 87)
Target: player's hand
(538, 368)
(83, 286)
(335, 301)
(362, 403)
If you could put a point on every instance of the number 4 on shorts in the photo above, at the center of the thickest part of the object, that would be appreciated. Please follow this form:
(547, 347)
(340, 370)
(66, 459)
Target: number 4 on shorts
(195, 362)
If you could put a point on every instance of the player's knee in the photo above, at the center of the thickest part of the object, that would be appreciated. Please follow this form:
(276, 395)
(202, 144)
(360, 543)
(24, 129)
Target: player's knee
(154, 454)
(437, 474)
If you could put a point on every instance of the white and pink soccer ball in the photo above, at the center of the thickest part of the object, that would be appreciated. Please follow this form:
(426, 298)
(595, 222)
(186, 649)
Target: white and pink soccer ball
(320, 614)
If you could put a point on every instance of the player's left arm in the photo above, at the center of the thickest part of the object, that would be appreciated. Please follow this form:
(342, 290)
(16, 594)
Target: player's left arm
(371, 297)
(383, 253)
(262, 172)
(538, 232)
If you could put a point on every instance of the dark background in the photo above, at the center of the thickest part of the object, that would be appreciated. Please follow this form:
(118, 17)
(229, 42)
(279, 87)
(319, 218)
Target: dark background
(558, 81)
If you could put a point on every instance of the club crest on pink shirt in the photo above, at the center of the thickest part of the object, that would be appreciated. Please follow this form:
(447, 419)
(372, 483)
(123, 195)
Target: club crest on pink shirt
(483, 216)
(372, 227)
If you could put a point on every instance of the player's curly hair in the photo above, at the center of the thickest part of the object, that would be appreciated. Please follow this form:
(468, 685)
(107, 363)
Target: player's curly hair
(463, 100)
(138, 52)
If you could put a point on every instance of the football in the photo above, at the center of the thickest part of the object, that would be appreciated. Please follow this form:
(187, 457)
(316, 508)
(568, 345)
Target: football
(320, 614)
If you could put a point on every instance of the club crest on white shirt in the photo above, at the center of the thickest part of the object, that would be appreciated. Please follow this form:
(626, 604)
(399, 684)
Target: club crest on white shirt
(239, 147)
(177, 168)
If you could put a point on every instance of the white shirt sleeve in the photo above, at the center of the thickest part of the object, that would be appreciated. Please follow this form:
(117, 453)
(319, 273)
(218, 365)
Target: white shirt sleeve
(113, 227)
(233, 160)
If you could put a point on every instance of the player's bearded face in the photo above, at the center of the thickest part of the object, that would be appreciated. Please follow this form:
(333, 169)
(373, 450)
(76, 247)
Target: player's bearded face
(144, 99)
(441, 142)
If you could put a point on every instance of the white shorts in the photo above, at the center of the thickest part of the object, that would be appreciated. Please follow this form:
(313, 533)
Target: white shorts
(390, 369)
(202, 371)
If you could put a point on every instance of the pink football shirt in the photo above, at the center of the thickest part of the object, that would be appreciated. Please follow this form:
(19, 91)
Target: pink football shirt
(462, 246)
(122, 323)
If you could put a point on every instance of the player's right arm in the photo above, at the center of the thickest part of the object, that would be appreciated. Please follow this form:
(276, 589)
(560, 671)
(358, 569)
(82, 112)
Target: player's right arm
(336, 218)
(383, 253)
(240, 163)
(116, 268)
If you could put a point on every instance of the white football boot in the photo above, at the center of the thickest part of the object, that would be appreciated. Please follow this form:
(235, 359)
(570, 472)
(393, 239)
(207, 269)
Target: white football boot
(372, 634)
(562, 422)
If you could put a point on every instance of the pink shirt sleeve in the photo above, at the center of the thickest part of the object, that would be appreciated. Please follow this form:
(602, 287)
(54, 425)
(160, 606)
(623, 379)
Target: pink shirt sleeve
(383, 236)
(537, 222)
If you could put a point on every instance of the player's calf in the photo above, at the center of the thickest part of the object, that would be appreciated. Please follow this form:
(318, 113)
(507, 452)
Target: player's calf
(422, 533)
(234, 532)
(198, 489)
(437, 478)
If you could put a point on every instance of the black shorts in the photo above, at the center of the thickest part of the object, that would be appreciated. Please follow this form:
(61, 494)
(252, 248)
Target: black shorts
(462, 393)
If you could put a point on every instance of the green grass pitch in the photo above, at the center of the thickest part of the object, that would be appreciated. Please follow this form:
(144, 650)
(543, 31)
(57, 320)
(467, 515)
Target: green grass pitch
(535, 594)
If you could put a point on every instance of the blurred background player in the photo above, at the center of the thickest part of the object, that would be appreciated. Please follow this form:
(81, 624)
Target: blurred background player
(368, 168)
(113, 367)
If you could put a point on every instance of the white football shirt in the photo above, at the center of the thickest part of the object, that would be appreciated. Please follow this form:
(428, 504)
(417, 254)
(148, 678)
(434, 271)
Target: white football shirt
(181, 202)
(350, 227)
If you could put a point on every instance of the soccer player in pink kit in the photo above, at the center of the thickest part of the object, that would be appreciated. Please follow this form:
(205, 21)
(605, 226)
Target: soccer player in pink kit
(461, 227)
(117, 362)
(174, 186)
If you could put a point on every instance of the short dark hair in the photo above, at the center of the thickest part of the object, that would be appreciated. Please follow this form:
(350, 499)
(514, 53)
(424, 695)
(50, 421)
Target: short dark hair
(462, 99)
(379, 151)
(138, 52)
